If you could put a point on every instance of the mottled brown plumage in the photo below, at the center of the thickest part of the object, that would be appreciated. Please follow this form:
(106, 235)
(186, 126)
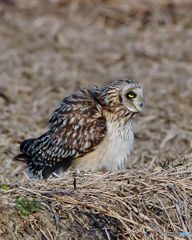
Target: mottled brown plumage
(82, 129)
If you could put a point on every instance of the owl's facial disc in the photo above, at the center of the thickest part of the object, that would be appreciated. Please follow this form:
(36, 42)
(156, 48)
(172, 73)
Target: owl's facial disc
(133, 99)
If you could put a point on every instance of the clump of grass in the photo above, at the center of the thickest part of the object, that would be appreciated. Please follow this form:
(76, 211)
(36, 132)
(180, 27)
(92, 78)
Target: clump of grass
(164, 164)
(4, 187)
(26, 207)
(180, 163)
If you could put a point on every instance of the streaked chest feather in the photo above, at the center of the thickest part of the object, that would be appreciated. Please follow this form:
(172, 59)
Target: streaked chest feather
(113, 151)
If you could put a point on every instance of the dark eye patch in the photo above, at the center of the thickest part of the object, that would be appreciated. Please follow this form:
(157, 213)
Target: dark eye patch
(120, 98)
(131, 95)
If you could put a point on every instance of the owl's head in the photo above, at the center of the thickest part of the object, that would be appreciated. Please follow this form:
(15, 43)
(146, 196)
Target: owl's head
(121, 97)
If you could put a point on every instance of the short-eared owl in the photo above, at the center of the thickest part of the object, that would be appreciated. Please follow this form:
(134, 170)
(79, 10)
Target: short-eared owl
(92, 130)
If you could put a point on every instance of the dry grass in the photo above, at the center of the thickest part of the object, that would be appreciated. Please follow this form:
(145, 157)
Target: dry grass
(130, 204)
(48, 49)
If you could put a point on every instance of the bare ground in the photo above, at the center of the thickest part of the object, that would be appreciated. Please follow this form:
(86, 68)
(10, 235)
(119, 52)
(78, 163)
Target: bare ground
(48, 49)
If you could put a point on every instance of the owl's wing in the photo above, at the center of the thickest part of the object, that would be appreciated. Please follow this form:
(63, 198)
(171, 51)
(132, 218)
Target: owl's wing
(77, 127)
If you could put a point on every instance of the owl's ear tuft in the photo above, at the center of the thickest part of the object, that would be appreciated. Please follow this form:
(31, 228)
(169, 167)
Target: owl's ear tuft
(95, 87)
(86, 91)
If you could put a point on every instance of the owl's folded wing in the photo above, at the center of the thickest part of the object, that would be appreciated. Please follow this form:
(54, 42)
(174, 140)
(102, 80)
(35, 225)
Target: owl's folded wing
(77, 127)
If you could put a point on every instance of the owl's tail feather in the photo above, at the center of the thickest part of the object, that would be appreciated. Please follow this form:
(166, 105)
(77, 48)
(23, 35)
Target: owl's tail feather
(32, 170)
(26, 145)
(21, 158)
(35, 169)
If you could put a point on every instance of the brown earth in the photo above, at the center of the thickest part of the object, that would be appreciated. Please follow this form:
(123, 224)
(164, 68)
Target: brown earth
(48, 49)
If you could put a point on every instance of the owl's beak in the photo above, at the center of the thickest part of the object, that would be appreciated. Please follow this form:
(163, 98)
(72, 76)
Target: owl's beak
(139, 105)
(142, 104)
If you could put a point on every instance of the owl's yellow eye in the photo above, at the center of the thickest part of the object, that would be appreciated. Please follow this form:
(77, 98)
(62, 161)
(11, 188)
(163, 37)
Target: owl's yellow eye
(131, 95)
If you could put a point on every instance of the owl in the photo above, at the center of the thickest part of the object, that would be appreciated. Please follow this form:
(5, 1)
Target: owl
(92, 130)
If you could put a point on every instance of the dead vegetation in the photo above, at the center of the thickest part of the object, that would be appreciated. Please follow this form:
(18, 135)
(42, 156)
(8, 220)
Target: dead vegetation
(134, 204)
(48, 49)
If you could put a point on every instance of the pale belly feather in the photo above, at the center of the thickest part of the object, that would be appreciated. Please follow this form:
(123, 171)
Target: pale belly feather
(112, 152)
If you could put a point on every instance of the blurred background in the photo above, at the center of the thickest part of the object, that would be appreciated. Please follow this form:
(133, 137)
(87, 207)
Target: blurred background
(50, 47)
